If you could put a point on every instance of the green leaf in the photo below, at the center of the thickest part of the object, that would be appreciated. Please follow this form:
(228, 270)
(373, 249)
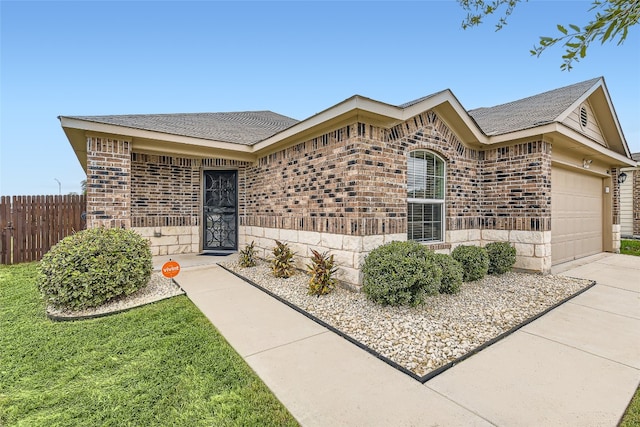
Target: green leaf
(609, 30)
(562, 29)
(575, 28)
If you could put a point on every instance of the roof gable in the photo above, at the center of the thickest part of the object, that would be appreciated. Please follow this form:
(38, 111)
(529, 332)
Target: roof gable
(530, 112)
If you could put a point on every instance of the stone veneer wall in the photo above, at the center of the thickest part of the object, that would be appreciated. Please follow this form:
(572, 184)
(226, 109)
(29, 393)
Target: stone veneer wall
(108, 182)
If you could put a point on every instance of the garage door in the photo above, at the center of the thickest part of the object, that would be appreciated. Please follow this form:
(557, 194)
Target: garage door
(576, 215)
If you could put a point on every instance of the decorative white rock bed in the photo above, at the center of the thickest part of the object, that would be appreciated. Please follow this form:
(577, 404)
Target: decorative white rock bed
(425, 338)
(159, 288)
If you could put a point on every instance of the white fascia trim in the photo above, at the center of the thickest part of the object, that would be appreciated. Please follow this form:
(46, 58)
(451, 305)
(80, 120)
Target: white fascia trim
(393, 112)
(577, 136)
(72, 123)
(575, 167)
(615, 119)
(566, 131)
(579, 101)
(585, 97)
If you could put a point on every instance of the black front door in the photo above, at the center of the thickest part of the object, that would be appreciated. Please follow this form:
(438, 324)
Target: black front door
(220, 219)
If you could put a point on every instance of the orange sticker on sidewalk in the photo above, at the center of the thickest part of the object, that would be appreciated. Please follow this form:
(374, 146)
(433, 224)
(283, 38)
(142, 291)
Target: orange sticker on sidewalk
(170, 269)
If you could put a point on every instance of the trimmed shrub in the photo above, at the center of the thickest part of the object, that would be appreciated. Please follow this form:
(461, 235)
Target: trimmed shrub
(321, 269)
(474, 261)
(282, 262)
(400, 273)
(452, 274)
(247, 256)
(502, 256)
(94, 266)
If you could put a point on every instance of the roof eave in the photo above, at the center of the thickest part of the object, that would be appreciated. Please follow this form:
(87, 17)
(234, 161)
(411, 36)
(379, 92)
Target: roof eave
(599, 84)
(551, 129)
(133, 134)
(388, 114)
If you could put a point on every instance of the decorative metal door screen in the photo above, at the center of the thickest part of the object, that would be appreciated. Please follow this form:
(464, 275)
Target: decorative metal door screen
(220, 217)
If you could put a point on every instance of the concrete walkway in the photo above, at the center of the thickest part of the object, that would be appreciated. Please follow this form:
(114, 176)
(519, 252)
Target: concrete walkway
(579, 365)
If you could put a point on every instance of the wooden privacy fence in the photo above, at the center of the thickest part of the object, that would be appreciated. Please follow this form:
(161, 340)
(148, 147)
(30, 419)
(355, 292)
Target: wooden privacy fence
(31, 225)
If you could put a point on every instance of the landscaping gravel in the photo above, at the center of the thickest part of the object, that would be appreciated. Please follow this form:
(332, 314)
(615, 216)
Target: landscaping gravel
(426, 337)
(159, 288)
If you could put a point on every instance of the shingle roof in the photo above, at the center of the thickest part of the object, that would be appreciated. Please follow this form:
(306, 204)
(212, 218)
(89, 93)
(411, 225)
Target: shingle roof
(415, 101)
(529, 112)
(635, 156)
(248, 127)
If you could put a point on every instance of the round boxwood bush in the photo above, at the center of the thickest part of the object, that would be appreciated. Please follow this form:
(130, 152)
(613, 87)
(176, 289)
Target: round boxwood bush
(94, 266)
(452, 274)
(502, 256)
(474, 261)
(400, 273)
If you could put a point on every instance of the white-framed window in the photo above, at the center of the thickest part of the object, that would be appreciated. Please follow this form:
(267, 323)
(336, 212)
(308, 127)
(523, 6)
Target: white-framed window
(425, 196)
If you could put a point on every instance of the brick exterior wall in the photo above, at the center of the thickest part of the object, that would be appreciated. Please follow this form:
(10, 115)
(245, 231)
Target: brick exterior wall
(168, 192)
(167, 199)
(516, 187)
(310, 186)
(615, 205)
(108, 182)
(344, 191)
(636, 202)
(354, 181)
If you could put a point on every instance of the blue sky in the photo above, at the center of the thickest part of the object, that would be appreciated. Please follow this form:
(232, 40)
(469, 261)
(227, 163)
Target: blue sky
(294, 58)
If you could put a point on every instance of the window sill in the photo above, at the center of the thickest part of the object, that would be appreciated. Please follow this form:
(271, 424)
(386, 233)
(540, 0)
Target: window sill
(437, 246)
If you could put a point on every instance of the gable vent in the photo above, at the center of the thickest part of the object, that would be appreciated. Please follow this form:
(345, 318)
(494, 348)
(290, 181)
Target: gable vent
(584, 116)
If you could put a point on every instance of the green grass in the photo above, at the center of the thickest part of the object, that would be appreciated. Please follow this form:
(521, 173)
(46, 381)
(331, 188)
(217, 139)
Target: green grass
(159, 365)
(630, 247)
(631, 417)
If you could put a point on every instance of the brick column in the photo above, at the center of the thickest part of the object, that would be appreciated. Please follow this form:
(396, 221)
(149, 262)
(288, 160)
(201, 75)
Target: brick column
(108, 182)
(635, 176)
(615, 206)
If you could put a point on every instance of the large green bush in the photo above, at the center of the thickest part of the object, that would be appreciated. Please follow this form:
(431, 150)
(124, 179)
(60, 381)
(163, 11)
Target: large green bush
(400, 273)
(474, 260)
(94, 266)
(452, 274)
(502, 256)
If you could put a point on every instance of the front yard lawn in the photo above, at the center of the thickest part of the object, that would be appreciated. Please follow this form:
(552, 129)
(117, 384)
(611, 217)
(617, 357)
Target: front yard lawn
(159, 365)
(630, 247)
(632, 415)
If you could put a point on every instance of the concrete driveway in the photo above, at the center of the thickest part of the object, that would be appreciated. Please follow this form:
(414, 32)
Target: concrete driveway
(578, 365)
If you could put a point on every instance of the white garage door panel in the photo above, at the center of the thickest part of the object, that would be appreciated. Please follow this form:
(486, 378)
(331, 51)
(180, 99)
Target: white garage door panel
(576, 215)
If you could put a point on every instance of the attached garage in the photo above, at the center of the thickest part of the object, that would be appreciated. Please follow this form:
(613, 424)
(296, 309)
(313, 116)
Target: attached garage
(576, 214)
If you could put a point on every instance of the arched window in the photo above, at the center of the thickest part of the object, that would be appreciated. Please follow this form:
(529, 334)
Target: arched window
(425, 197)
